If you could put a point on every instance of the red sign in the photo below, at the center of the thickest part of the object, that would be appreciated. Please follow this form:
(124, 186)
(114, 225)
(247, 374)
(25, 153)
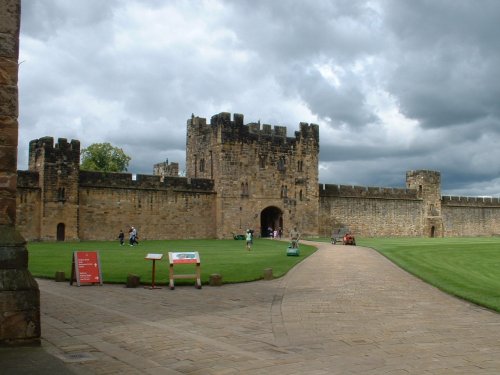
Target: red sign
(86, 267)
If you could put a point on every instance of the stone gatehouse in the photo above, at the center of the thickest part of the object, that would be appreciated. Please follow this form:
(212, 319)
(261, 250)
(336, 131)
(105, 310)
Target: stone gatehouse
(238, 176)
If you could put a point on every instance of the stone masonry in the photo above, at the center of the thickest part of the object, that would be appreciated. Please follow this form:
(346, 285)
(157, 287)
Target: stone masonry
(19, 293)
(238, 176)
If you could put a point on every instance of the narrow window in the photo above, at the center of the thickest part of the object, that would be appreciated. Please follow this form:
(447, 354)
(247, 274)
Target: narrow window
(281, 164)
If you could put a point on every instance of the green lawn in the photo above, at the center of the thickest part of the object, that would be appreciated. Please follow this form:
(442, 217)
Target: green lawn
(226, 257)
(465, 267)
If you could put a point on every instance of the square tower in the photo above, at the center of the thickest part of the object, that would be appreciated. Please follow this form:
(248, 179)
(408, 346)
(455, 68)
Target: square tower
(264, 180)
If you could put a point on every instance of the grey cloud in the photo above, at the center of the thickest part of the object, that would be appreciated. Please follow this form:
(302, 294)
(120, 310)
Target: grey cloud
(87, 75)
(42, 19)
(447, 60)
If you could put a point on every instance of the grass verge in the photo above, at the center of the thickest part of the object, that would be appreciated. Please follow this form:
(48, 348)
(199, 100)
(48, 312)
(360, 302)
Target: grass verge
(467, 267)
(226, 257)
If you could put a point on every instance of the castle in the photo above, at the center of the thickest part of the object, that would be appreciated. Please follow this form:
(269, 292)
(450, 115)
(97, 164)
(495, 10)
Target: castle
(238, 176)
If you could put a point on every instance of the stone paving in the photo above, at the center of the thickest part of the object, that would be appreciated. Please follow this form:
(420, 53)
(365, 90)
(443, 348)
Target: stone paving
(344, 310)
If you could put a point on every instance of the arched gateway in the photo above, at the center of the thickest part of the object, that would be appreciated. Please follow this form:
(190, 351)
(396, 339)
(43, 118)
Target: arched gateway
(271, 218)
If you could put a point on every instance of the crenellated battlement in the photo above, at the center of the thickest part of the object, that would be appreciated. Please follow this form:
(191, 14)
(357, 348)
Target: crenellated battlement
(126, 181)
(62, 151)
(470, 201)
(166, 169)
(351, 191)
(226, 130)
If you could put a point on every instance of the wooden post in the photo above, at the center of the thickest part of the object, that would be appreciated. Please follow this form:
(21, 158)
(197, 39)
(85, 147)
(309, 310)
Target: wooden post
(215, 280)
(60, 276)
(133, 281)
(268, 274)
(154, 258)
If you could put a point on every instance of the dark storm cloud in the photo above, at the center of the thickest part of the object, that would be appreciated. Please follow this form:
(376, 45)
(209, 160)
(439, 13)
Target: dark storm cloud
(447, 70)
(394, 85)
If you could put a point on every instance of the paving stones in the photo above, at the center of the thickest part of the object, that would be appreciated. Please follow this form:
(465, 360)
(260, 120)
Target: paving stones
(344, 310)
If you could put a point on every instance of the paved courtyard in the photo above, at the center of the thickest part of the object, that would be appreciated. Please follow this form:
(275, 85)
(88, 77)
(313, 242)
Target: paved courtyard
(344, 310)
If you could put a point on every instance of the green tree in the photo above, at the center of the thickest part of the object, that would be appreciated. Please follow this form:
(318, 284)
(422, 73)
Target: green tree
(105, 158)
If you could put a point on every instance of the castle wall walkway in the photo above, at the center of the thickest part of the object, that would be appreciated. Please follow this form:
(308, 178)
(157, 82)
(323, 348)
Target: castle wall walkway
(343, 310)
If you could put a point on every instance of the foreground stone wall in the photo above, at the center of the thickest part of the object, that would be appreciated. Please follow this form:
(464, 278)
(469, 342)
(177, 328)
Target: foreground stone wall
(19, 293)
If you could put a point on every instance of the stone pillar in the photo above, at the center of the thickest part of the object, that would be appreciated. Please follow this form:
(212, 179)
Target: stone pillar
(19, 293)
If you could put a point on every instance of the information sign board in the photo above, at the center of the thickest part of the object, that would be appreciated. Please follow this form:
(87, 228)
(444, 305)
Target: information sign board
(151, 256)
(179, 258)
(191, 257)
(86, 268)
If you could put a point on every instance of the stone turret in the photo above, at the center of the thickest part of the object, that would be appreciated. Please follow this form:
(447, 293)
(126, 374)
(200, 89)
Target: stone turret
(428, 187)
(166, 169)
(58, 166)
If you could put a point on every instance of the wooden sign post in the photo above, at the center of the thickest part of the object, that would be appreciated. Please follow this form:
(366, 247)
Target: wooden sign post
(185, 258)
(86, 268)
(154, 258)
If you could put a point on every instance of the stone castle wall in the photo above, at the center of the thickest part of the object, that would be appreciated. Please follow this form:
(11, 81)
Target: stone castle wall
(370, 211)
(237, 177)
(174, 208)
(471, 216)
(28, 205)
(262, 177)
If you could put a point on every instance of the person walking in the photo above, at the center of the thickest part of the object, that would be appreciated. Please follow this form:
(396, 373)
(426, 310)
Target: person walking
(131, 236)
(135, 239)
(121, 237)
(249, 239)
(294, 236)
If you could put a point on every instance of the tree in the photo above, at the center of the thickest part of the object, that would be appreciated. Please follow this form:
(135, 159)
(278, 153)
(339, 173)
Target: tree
(104, 157)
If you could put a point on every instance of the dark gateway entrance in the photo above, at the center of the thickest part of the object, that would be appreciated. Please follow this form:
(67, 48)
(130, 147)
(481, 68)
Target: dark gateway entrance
(60, 232)
(271, 218)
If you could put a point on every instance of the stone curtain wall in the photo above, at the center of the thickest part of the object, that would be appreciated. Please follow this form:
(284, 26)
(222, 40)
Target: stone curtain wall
(29, 203)
(370, 211)
(172, 208)
(237, 176)
(467, 216)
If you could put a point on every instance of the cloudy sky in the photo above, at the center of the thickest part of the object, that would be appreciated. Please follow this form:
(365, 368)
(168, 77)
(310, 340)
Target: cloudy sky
(394, 85)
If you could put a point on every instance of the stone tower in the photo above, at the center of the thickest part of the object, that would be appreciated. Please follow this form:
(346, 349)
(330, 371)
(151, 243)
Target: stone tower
(19, 293)
(58, 167)
(428, 187)
(166, 169)
(263, 179)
